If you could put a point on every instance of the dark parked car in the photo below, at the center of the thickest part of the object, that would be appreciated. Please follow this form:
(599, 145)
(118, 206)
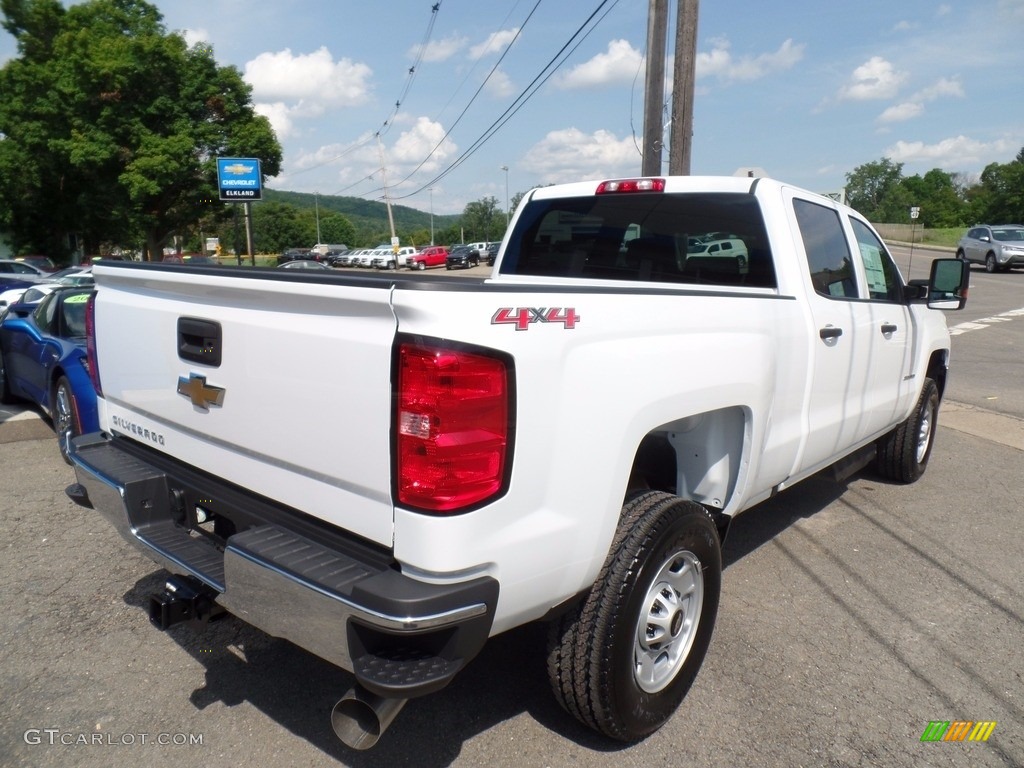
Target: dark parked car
(492, 253)
(43, 360)
(298, 254)
(462, 257)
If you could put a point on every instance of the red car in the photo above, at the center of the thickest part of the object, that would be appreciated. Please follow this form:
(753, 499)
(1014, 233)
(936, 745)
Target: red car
(431, 256)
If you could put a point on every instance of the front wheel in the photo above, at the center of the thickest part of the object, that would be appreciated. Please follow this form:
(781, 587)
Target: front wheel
(990, 263)
(65, 417)
(421, 265)
(903, 453)
(622, 660)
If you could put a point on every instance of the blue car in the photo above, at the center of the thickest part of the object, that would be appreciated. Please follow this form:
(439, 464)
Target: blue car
(43, 360)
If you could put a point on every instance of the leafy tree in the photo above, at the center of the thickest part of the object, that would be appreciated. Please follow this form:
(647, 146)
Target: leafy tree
(480, 219)
(937, 196)
(111, 126)
(870, 186)
(278, 226)
(999, 198)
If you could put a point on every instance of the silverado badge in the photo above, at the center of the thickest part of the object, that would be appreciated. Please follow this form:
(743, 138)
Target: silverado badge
(199, 392)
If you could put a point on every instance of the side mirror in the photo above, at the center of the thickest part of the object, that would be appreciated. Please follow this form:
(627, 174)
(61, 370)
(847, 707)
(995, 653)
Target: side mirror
(948, 284)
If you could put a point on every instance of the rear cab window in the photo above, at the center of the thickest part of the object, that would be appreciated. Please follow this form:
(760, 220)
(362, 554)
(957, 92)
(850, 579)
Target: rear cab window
(715, 238)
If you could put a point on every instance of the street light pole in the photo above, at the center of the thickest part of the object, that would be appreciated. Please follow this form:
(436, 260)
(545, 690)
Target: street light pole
(316, 203)
(431, 191)
(505, 169)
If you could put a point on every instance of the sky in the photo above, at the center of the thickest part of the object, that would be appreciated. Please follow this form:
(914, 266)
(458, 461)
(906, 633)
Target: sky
(442, 103)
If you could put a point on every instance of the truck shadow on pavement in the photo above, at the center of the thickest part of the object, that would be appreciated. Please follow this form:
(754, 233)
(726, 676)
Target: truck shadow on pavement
(297, 690)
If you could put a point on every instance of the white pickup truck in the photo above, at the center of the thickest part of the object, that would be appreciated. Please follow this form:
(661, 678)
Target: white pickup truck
(387, 470)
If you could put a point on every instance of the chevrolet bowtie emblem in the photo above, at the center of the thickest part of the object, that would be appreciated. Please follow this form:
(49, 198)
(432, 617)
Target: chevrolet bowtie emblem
(199, 392)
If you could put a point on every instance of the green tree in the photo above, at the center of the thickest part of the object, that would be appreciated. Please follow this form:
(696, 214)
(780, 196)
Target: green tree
(278, 226)
(335, 228)
(111, 125)
(999, 197)
(480, 219)
(937, 196)
(870, 186)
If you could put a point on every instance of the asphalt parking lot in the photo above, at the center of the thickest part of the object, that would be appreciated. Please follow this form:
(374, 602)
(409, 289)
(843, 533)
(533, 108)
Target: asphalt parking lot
(852, 616)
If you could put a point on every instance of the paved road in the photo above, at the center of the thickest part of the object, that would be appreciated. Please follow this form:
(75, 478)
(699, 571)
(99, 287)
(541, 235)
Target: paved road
(852, 615)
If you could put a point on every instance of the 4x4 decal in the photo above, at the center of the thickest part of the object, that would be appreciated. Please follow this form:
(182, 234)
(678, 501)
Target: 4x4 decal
(523, 317)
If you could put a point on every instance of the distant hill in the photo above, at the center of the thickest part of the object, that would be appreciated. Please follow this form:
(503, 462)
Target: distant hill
(364, 214)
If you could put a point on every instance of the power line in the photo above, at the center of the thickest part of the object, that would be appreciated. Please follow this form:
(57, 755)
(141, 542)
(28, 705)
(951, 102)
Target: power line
(525, 95)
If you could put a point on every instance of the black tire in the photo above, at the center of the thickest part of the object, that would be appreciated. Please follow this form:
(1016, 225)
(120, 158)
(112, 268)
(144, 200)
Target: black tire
(421, 265)
(665, 563)
(5, 388)
(903, 453)
(64, 413)
(990, 263)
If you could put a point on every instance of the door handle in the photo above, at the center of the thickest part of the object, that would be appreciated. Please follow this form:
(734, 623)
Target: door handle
(830, 332)
(888, 328)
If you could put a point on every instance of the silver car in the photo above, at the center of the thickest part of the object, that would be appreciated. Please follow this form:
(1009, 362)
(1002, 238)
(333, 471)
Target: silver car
(999, 247)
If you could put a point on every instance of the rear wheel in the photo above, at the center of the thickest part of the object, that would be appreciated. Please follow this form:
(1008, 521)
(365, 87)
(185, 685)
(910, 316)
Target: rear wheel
(65, 416)
(903, 453)
(622, 661)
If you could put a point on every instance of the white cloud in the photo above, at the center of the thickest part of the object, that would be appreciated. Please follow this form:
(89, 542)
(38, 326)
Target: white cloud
(874, 79)
(571, 154)
(418, 142)
(494, 43)
(619, 64)
(942, 87)
(959, 152)
(908, 110)
(193, 36)
(721, 64)
(914, 106)
(439, 50)
(280, 117)
(500, 85)
(313, 77)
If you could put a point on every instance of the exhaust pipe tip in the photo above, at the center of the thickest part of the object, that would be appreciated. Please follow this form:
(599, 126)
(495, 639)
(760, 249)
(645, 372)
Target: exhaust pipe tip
(360, 718)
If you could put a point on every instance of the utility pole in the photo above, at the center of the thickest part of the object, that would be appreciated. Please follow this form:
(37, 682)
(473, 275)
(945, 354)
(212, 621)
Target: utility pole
(683, 86)
(654, 90)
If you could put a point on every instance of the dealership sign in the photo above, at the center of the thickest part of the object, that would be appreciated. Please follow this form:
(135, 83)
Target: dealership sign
(239, 179)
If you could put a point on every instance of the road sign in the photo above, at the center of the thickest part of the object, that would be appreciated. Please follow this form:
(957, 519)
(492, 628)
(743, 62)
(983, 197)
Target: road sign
(239, 179)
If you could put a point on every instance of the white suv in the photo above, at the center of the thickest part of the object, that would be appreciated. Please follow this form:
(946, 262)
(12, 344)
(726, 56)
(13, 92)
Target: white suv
(731, 247)
(391, 259)
(998, 247)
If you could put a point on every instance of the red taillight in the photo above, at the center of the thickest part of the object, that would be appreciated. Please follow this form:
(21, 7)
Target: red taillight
(630, 185)
(90, 344)
(453, 427)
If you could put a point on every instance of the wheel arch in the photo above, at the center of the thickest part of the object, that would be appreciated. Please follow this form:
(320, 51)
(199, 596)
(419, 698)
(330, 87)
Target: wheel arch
(700, 457)
(938, 369)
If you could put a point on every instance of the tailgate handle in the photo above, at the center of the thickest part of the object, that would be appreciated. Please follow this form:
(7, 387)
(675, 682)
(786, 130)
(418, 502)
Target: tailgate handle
(199, 341)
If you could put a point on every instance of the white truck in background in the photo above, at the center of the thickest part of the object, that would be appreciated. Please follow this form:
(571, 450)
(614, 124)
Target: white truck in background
(387, 470)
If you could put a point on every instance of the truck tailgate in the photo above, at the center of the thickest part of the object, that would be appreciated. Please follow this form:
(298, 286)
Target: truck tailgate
(303, 377)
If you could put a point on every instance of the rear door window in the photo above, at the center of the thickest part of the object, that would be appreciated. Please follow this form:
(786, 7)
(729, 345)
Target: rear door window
(828, 252)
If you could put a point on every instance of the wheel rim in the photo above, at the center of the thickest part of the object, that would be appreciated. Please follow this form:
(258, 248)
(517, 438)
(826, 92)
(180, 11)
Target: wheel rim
(668, 621)
(63, 416)
(924, 433)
